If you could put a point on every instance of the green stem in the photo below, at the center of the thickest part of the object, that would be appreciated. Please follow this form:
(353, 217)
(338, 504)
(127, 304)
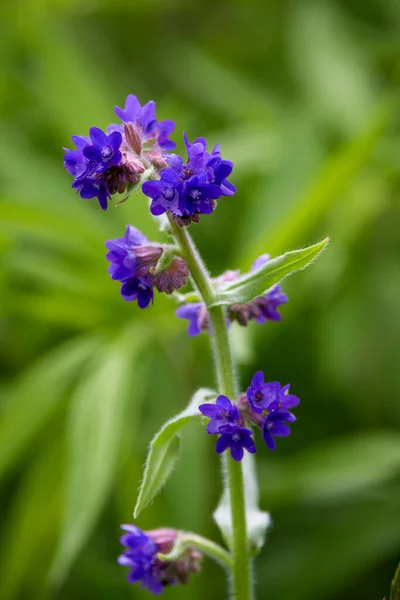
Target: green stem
(241, 560)
(193, 540)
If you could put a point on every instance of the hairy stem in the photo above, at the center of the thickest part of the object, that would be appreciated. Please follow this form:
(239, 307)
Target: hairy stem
(241, 560)
(197, 542)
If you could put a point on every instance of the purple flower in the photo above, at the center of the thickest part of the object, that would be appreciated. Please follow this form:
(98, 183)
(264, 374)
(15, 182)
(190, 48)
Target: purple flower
(237, 441)
(145, 119)
(220, 171)
(140, 555)
(269, 396)
(259, 394)
(122, 253)
(198, 317)
(133, 259)
(223, 415)
(138, 289)
(268, 304)
(188, 189)
(104, 151)
(274, 426)
(131, 270)
(165, 193)
(106, 163)
(74, 160)
(92, 187)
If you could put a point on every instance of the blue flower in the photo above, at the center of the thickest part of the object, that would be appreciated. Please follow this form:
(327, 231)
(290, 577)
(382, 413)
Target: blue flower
(106, 163)
(104, 151)
(74, 160)
(133, 258)
(265, 308)
(269, 396)
(188, 189)
(166, 193)
(223, 415)
(151, 130)
(238, 441)
(92, 187)
(198, 317)
(140, 554)
(274, 426)
(130, 269)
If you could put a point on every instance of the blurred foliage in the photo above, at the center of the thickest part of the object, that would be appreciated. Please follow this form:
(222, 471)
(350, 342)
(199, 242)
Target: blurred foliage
(303, 97)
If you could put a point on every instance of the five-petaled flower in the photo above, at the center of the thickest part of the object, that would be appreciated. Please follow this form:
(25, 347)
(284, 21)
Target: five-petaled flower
(269, 396)
(238, 441)
(223, 415)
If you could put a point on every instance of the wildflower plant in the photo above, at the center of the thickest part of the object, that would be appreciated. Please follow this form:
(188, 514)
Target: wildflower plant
(136, 155)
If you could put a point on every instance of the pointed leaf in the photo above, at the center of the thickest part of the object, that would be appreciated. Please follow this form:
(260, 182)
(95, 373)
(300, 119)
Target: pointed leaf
(257, 520)
(94, 437)
(395, 589)
(256, 283)
(36, 396)
(164, 450)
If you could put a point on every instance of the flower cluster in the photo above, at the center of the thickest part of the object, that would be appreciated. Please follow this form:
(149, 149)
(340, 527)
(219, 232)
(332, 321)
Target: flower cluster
(106, 163)
(265, 405)
(259, 310)
(270, 403)
(134, 263)
(188, 189)
(140, 554)
(225, 420)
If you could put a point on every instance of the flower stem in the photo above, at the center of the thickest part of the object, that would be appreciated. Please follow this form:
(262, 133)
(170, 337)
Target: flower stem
(241, 560)
(188, 539)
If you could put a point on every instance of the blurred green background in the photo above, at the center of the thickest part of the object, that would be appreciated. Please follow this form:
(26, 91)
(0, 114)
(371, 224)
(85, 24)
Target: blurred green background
(302, 96)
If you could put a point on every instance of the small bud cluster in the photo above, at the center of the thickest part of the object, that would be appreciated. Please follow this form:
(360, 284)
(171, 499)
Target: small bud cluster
(259, 310)
(265, 405)
(140, 554)
(106, 163)
(133, 262)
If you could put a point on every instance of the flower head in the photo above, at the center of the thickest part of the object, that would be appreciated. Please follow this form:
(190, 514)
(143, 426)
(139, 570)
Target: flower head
(224, 416)
(140, 554)
(188, 189)
(238, 441)
(133, 261)
(106, 163)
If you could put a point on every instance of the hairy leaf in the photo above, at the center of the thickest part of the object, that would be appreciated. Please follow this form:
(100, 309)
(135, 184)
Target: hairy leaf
(256, 283)
(164, 450)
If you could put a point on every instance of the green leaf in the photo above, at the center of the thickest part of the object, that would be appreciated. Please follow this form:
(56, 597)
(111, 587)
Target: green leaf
(256, 283)
(94, 437)
(164, 450)
(257, 521)
(395, 588)
(33, 515)
(36, 396)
